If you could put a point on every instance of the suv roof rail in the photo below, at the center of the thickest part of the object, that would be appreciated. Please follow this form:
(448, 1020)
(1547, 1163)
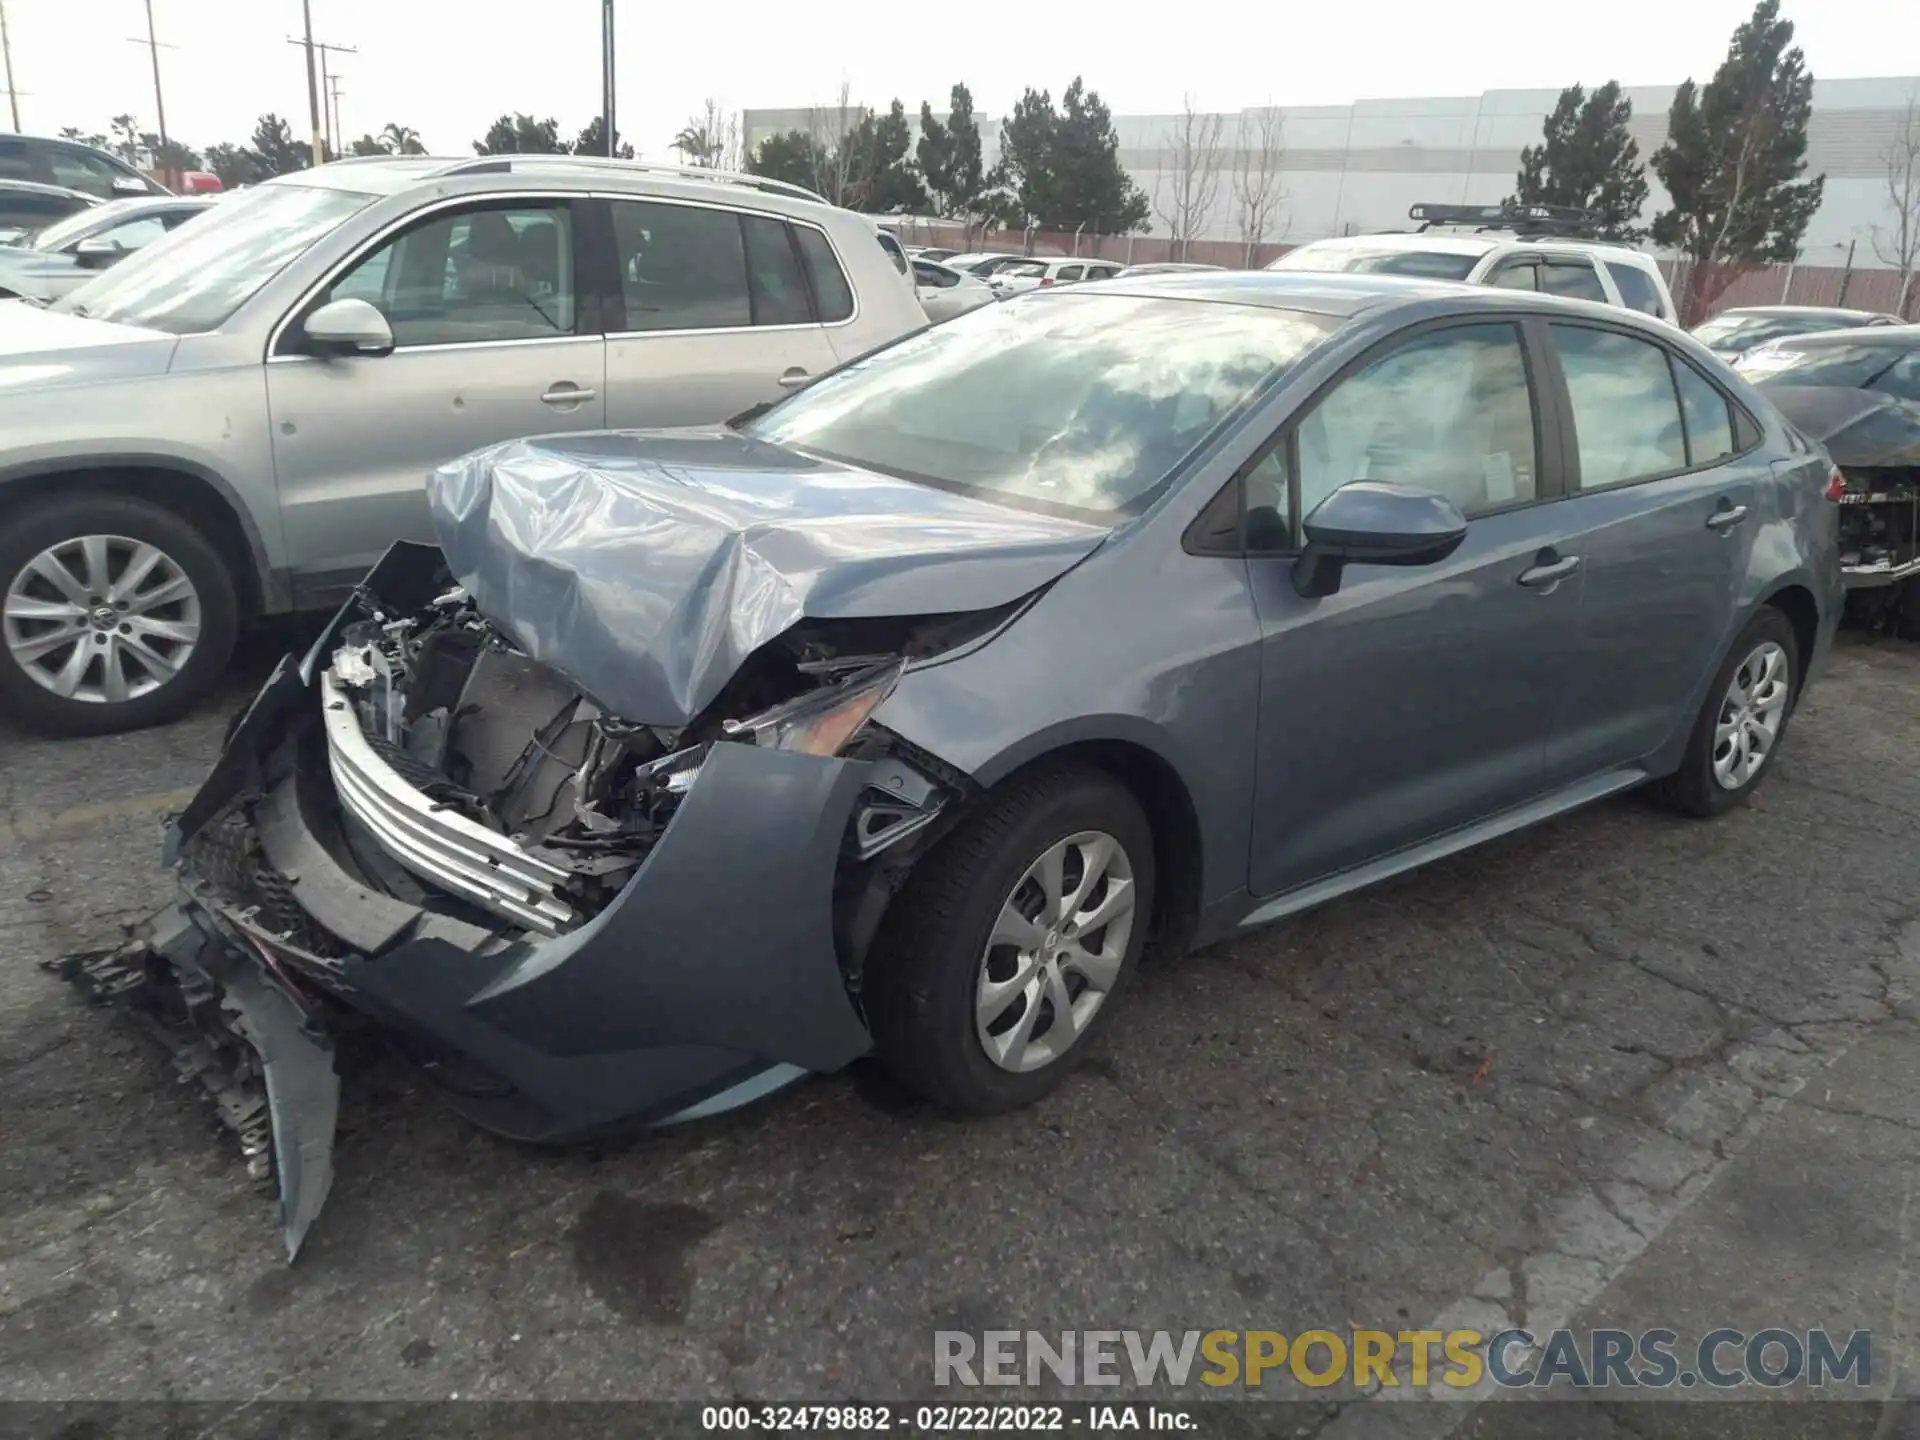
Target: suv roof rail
(501, 164)
(1521, 219)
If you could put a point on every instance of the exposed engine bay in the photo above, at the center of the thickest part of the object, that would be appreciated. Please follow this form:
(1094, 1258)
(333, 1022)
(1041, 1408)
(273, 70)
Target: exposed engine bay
(541, 804)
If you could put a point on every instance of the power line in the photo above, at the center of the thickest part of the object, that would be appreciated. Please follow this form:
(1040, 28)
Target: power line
(319, 84)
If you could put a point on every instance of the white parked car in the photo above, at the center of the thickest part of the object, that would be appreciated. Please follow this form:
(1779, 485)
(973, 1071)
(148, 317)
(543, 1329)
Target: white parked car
(1041, 273)
(1530, 248)
(945, 292)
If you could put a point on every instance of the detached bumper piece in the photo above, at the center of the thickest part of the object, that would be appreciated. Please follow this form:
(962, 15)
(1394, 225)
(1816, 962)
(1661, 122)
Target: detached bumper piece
(263, 1062)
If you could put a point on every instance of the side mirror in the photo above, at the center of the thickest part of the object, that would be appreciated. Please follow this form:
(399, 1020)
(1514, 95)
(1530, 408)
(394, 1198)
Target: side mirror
(1372, 523)
(349, 327)
(127, 185)
(97, 252)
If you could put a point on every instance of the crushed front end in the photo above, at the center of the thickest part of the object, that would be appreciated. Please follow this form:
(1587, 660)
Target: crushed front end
(569, 919)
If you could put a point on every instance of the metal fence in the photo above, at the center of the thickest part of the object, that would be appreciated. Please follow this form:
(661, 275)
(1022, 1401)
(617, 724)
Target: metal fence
(1855, 289)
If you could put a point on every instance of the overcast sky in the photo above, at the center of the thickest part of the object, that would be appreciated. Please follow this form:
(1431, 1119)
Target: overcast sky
(447, 68)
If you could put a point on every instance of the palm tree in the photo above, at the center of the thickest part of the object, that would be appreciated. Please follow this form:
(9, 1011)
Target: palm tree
(698, 144)
(401, 140)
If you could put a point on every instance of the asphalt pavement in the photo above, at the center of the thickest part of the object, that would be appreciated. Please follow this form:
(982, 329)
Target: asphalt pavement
(1624, 1069)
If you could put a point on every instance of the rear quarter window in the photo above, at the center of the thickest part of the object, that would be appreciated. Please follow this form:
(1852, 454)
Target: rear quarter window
(830, 287)
(1636, 287)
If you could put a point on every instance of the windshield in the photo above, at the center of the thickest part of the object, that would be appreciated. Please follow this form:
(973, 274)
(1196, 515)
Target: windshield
(199, 274)
(1423, 264)
(1828, 367)
(1084, 406)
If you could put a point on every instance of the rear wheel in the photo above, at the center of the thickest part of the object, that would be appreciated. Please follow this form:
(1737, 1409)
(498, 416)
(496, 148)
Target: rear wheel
(1014, 937)
(1743, 721)
(114, 614)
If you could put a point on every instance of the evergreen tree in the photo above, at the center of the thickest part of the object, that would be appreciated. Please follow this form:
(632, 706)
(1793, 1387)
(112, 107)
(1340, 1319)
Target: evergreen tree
(1735, 154)
(1060, 169)
(1586, 159)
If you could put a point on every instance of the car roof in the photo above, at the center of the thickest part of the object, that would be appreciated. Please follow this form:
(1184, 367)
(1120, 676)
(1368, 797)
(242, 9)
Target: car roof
(1477, 242)
(1891, 336)
(35, 187)
(1344, 295)
(395, 174)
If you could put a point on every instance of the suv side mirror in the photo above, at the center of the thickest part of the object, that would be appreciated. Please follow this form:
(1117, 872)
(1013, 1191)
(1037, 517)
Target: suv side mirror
(97, 252)
(1369, 522)
(127, 185)
(349, 327)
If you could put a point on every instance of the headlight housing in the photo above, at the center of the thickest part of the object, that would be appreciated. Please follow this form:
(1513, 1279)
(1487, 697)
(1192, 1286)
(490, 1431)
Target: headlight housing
(824, 721)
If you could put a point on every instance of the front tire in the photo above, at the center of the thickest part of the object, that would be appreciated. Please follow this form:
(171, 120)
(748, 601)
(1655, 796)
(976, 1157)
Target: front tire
(1743, 721)
(1005, 953)
(115, 614)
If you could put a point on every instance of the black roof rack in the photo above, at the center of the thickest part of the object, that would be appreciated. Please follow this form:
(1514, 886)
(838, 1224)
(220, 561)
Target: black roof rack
(1521, 219)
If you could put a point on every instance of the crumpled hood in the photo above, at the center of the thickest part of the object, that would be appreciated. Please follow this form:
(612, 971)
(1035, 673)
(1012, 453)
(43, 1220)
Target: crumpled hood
(43, 347)
(1863, 428)
(647, 566)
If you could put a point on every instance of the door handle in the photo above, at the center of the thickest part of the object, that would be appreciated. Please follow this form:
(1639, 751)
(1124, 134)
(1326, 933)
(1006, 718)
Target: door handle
(566, 393)
(1726, 517)
(1551, 573)
(793, 379)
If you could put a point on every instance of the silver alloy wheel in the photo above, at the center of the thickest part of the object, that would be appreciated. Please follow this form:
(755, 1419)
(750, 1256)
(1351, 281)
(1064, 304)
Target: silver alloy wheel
(101, 619)
(1750, 716)
(1055, 952)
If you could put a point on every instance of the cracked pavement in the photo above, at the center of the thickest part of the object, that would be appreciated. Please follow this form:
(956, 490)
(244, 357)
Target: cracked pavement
(1576, 1076)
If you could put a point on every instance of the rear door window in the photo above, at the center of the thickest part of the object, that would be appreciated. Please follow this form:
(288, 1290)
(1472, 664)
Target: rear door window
(1626, 412)
(1516, 275)
(1636, 287)
(682, 267)
(1574, 279)
(778, 289)
(1708, 414)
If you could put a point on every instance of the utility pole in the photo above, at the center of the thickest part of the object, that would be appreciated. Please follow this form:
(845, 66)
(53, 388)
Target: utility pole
(333, 93)
(159, 105)
(606, 76)
(319, 85)
(313, 85)
(6, 49)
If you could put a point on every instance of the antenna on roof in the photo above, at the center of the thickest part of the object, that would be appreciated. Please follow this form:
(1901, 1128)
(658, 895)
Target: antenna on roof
(1521, 219)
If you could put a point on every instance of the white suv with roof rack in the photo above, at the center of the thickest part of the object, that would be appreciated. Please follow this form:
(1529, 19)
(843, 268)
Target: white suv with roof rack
(239, 419)
(1533, 247)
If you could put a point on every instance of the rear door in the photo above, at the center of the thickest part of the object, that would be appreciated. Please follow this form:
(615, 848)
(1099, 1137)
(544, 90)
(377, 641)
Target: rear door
(1664, 472)
(715, 310)
(1415, 700)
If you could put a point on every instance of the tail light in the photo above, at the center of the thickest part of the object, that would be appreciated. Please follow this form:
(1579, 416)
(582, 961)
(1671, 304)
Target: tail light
(1836, 485)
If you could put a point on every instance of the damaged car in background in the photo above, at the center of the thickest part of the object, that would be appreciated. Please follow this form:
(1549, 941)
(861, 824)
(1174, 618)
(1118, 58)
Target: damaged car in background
(896, 717)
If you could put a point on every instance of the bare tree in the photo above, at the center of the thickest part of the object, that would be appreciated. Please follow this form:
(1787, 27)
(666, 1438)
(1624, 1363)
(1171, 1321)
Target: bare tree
(710, 139)
(1259, 160)
(1188, 180)
(1898, 244)
(841, 163)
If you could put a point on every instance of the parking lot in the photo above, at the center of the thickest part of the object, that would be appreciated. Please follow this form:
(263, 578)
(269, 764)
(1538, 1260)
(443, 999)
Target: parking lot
(1521, 1084)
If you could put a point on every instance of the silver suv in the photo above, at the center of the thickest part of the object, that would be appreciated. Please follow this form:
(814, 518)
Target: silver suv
(239, 419)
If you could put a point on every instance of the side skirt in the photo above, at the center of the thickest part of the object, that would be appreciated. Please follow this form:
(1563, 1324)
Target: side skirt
(1318, 892)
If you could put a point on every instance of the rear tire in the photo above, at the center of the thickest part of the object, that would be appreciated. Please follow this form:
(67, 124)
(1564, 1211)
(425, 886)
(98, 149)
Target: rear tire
(115, 614)
(1731, 749)
(977, 964)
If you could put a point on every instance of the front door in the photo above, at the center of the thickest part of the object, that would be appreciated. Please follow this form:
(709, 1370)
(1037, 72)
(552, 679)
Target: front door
(1666, 505)
(720, 313)
(490, 343)
(1413, 701)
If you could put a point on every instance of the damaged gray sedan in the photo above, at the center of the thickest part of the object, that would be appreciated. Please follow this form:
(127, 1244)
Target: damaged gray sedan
(898, 717)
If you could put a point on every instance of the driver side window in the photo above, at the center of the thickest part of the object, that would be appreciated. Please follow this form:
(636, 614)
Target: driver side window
(1450, 410)
(469, 276)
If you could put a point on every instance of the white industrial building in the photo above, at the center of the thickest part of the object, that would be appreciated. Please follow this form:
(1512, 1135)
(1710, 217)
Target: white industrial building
(1355, 168)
